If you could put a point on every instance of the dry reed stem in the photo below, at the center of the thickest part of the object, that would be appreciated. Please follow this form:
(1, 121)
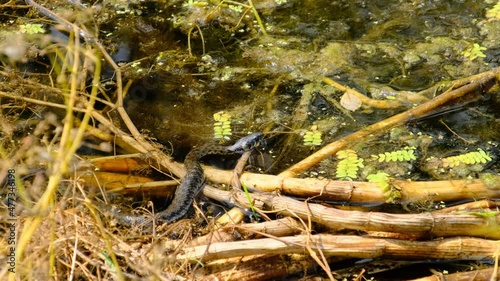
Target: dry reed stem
(349, 246)
(133, 145)
(125, 183)
(39, 102)
(468, 207)
(67, 147)
(423, 225)
(354, 191)
(480, 82)
(69, 141)
(277, 228)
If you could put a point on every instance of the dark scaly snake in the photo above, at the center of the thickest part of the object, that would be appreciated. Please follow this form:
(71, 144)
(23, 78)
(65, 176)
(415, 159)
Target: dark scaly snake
(192, 183)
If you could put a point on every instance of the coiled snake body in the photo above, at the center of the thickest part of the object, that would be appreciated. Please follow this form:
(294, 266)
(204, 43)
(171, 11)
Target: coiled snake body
(192, 183)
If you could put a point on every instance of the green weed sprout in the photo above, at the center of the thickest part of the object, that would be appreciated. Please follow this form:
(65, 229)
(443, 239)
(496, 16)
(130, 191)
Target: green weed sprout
(474, 52)
(349, 164)
(249, 200)
(108, 259)
(483, 214)
(222, 125)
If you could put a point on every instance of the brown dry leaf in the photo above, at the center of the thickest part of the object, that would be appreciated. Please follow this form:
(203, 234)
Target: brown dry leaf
(350, 101)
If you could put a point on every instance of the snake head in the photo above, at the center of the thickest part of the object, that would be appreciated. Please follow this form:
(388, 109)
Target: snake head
(247, 143)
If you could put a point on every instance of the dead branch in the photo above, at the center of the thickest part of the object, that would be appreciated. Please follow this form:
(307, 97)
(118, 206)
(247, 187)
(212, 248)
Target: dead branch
(385, 104)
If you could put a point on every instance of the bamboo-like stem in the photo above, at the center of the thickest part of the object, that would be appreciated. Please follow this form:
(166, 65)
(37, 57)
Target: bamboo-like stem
(420, 225)
(356, 191)
(348, 246)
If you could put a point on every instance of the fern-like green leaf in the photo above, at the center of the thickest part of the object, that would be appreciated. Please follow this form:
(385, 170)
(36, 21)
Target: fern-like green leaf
(313, 137)
(349, 164)
(471, 158)
(222, 125)
(405, 154)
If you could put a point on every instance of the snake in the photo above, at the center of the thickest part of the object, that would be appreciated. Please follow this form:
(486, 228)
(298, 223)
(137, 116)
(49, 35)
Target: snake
(192, 183)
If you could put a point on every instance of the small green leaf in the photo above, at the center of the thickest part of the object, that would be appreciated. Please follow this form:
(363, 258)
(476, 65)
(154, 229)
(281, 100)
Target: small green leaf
(474, 52)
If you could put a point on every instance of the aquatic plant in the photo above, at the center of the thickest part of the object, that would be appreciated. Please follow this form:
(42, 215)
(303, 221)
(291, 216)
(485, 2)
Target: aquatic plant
(349, 164)
(465, 165)
(494, 13)
(405, 154)
(31, 28)
(471, 158)
(222, 125)
(474, 52)
(313, 137)
(391, 193)
(216, 6)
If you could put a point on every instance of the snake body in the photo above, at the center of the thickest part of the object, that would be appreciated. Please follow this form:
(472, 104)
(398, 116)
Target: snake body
(192, 183)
